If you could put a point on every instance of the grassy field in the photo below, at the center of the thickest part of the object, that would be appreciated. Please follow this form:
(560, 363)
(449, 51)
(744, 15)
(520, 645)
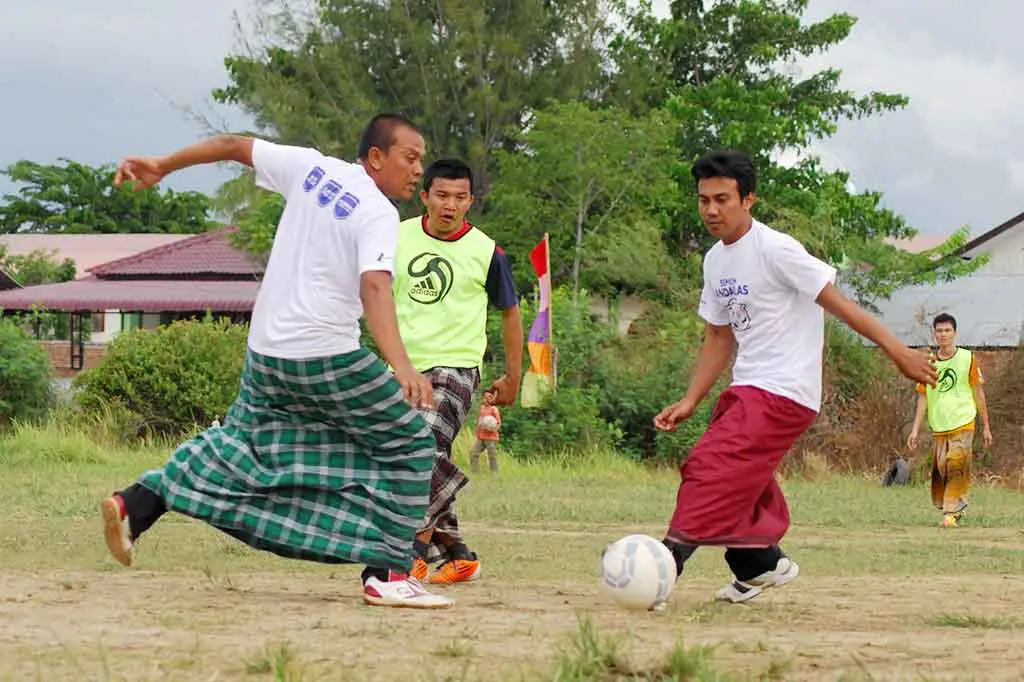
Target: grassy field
(884, 594)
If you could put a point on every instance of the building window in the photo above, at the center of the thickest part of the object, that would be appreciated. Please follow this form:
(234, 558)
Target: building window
(98, 321)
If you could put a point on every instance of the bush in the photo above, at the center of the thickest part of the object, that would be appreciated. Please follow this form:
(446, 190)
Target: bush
(184, 374)
(566, 421)
(26, 375)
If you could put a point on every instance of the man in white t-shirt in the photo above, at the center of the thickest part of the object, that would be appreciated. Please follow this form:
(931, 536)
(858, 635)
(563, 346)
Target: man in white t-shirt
(321, 457)
(763, 300)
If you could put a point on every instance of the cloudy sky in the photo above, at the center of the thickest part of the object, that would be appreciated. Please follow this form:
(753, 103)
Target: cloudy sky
(94, 81)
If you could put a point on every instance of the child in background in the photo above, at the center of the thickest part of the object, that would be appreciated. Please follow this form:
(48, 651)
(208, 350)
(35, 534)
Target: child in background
(487, 426)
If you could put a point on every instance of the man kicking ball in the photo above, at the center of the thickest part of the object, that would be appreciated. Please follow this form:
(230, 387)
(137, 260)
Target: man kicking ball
(763, 299)
(321, 457)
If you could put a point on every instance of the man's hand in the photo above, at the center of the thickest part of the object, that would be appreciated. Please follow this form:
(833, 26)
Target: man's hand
(913, 440)
(676, 413)
(504, 390)
(916, 365)
(144, 171)
(986, 437)
(416, 387)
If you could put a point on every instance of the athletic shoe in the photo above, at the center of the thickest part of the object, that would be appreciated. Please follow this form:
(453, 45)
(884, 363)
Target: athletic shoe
(739, 591)
(116, 529)
(402, 591)
(420, 570)
(456, 571)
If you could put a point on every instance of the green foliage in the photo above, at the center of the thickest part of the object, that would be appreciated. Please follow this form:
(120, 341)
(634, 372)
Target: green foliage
(641, 373)
(40, 267)
(75, 198)
(468, 71)
(25, 375)
(566, 421)
(598, 181)
(180, 375)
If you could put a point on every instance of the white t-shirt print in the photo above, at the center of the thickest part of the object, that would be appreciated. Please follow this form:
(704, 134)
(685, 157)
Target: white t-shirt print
(336, 225)
(764, 286)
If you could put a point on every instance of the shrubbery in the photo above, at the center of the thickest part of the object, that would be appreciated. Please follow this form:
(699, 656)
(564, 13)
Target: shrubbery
(168, 380)
(26, 388)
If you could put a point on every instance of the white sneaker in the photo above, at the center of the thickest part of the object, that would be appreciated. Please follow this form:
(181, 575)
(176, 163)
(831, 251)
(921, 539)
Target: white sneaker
(740, 591)
(116, 530)
(402, 591)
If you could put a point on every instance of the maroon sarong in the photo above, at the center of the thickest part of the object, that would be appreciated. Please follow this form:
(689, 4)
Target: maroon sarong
(728, 494)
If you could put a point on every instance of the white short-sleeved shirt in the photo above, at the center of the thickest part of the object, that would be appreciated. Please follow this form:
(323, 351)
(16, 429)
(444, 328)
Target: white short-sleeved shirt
(765, 287)
(336, 225)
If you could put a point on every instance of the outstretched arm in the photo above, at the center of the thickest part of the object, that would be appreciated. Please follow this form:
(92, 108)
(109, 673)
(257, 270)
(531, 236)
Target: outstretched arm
(715, 354)
(146, 171)
(913, 364)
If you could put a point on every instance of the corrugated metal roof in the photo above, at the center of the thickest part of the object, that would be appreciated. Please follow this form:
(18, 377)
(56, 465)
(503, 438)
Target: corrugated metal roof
(87, 250)
(154, 296)
(210, 254)
(988, 308)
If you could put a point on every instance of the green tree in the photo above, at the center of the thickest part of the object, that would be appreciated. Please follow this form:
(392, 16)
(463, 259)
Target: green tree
(74, 198)
(598, 181)
(726, 73)
(468, 71)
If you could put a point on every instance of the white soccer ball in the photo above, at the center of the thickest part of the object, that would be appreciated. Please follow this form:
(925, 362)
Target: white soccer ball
(638, 571)
(488, 423)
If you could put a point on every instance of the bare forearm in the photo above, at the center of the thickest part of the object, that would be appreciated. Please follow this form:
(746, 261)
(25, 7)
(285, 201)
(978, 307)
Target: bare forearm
(715, 354)
(920, 412)
(512, 336)
(212, 150)
(982, 403)
(381, 319)
(858, 319)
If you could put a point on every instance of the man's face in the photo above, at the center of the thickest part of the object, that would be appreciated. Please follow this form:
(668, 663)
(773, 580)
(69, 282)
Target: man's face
(722, 210)
(447, 203)
(945, 335)
(400, 168)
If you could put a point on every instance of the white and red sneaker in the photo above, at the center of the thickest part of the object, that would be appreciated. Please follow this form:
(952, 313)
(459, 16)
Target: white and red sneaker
(402, 591)
(116, 529)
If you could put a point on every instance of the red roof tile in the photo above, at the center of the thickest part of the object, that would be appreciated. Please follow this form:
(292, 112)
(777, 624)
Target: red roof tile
(151, 296)
(210, 254)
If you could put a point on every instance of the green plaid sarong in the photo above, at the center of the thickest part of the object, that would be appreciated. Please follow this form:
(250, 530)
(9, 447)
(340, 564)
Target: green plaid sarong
(317, 459)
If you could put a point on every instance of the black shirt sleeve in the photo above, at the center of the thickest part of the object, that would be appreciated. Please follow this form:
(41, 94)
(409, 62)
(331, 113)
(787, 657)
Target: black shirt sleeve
(501, 288)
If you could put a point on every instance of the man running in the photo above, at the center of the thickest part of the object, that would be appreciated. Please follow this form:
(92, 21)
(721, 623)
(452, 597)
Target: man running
(321, 457)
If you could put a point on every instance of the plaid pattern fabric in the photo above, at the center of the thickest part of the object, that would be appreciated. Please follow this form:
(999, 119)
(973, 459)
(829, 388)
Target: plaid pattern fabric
(453, 394)
(317, 459)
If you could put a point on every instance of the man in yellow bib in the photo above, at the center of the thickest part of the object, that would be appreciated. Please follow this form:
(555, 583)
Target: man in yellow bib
(446, 273)
(952, 406)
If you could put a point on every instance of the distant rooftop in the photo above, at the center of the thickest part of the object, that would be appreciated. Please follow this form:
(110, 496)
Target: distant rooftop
(87, 250)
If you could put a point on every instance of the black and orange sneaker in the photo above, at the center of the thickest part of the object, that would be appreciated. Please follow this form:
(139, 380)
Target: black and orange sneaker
(116, 530)
(420, 569)
(457, 571)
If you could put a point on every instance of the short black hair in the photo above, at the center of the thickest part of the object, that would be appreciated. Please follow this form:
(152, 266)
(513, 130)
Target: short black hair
(449, 169)
(380, 132)
(944, 317)
(727, 163)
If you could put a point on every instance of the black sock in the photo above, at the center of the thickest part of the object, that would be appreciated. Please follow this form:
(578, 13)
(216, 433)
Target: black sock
(680, 552)
(459, 550)
(143, 507)
(381, 574)
(747, 563)
(420, 549)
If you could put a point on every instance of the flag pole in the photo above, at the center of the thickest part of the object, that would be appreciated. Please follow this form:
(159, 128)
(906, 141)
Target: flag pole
(551, 314)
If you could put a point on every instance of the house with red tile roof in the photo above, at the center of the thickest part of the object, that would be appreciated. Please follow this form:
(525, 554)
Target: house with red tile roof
(180, 279)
